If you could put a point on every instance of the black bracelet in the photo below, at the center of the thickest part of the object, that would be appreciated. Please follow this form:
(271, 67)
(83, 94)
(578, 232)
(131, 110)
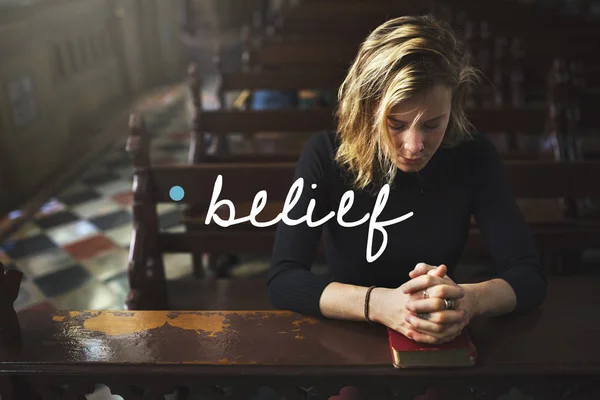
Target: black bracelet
(367, 297)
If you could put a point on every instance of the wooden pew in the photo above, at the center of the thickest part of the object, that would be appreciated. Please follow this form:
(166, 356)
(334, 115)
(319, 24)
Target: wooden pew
(515, 77)
(516, 121)
(146, 270)
(512, 79)
(302, 81)
(352, 9)
(281, 55)
(521, 16)
(281, 80)
(231, 353)
(519, 122)
(359, 16)
(538, 50)
(545, 182)
(510, 122)
(292, 128)
(554, 26)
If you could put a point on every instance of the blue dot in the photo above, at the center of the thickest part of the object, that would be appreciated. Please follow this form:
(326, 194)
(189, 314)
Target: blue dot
(176, 193)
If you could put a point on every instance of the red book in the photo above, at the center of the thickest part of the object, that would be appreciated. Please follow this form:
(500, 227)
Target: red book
(406, 353)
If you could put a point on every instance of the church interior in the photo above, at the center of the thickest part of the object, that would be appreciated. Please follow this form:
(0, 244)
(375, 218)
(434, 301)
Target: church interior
(107, 106)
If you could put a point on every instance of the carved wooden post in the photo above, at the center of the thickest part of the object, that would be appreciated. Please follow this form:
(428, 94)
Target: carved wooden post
(517, 75)
(197, 148)
(485, 51)
(278, 20)
(10, 328)
(217, 60)
(247, 52)
(10, 282)
(563, 94)
(466, 35)
(265, 12)
(257, 29)
(500, 67)
(558, 128)
(557, 98)
(575, 85)
(146, 270)
(558, 122)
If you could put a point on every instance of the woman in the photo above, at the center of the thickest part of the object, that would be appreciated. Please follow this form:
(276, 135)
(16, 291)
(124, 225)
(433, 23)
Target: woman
(401, 121)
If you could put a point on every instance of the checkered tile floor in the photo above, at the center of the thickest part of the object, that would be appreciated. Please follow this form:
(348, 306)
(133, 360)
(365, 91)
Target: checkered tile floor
(74, 252)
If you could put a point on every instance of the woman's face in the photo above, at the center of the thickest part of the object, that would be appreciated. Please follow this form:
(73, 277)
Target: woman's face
(418, 126)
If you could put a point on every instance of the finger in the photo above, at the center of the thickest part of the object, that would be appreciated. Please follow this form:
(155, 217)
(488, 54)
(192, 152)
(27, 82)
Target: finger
(421, 337)
(437, 321)
(439, 271)
(426, 338)
(420, 269)
(445, 291)
(404, 330)
(436, 338)
(430, 305)
(421, 283)
(423, 268)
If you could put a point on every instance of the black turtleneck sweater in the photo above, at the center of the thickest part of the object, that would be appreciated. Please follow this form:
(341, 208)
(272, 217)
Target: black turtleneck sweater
(466, 180)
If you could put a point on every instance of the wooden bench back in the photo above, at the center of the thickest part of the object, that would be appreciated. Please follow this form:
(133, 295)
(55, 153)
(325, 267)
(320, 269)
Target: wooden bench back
(508, 120)
(282, 80)
(303, 56)
(524, 54)
(528, 179)
(509, 124)
(285, 123)
(547, 23)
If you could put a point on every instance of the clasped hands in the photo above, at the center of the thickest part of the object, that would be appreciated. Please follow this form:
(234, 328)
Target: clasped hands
(403, 309)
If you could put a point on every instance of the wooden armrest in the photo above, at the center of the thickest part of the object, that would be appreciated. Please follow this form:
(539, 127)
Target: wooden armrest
(206, 344)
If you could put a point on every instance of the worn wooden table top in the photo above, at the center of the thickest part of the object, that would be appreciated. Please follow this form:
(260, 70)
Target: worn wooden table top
(560, 338)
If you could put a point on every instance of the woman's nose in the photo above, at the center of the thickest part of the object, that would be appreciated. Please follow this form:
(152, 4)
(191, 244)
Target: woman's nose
(413, 142)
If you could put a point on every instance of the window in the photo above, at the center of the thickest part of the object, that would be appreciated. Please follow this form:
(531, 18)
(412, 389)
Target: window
(22, 99)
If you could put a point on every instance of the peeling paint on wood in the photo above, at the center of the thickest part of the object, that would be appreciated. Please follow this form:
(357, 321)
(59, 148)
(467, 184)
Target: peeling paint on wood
(113, 324)
(307, 320)
(211, 324)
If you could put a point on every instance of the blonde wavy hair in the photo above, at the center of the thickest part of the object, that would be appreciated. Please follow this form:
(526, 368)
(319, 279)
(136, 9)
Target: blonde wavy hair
(402, 57)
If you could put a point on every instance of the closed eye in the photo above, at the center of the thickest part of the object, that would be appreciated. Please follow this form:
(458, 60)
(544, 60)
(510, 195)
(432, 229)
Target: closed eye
(396, 127)
(426, 126)
(431, 124)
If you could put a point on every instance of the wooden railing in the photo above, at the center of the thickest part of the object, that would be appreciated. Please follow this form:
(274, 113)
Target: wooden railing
(552, 353)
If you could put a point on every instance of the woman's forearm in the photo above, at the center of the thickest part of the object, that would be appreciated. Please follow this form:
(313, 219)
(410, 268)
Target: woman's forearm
(347, 302)
(490, 298)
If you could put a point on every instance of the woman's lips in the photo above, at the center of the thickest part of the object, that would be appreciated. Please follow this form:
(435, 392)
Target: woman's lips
(410, 160)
